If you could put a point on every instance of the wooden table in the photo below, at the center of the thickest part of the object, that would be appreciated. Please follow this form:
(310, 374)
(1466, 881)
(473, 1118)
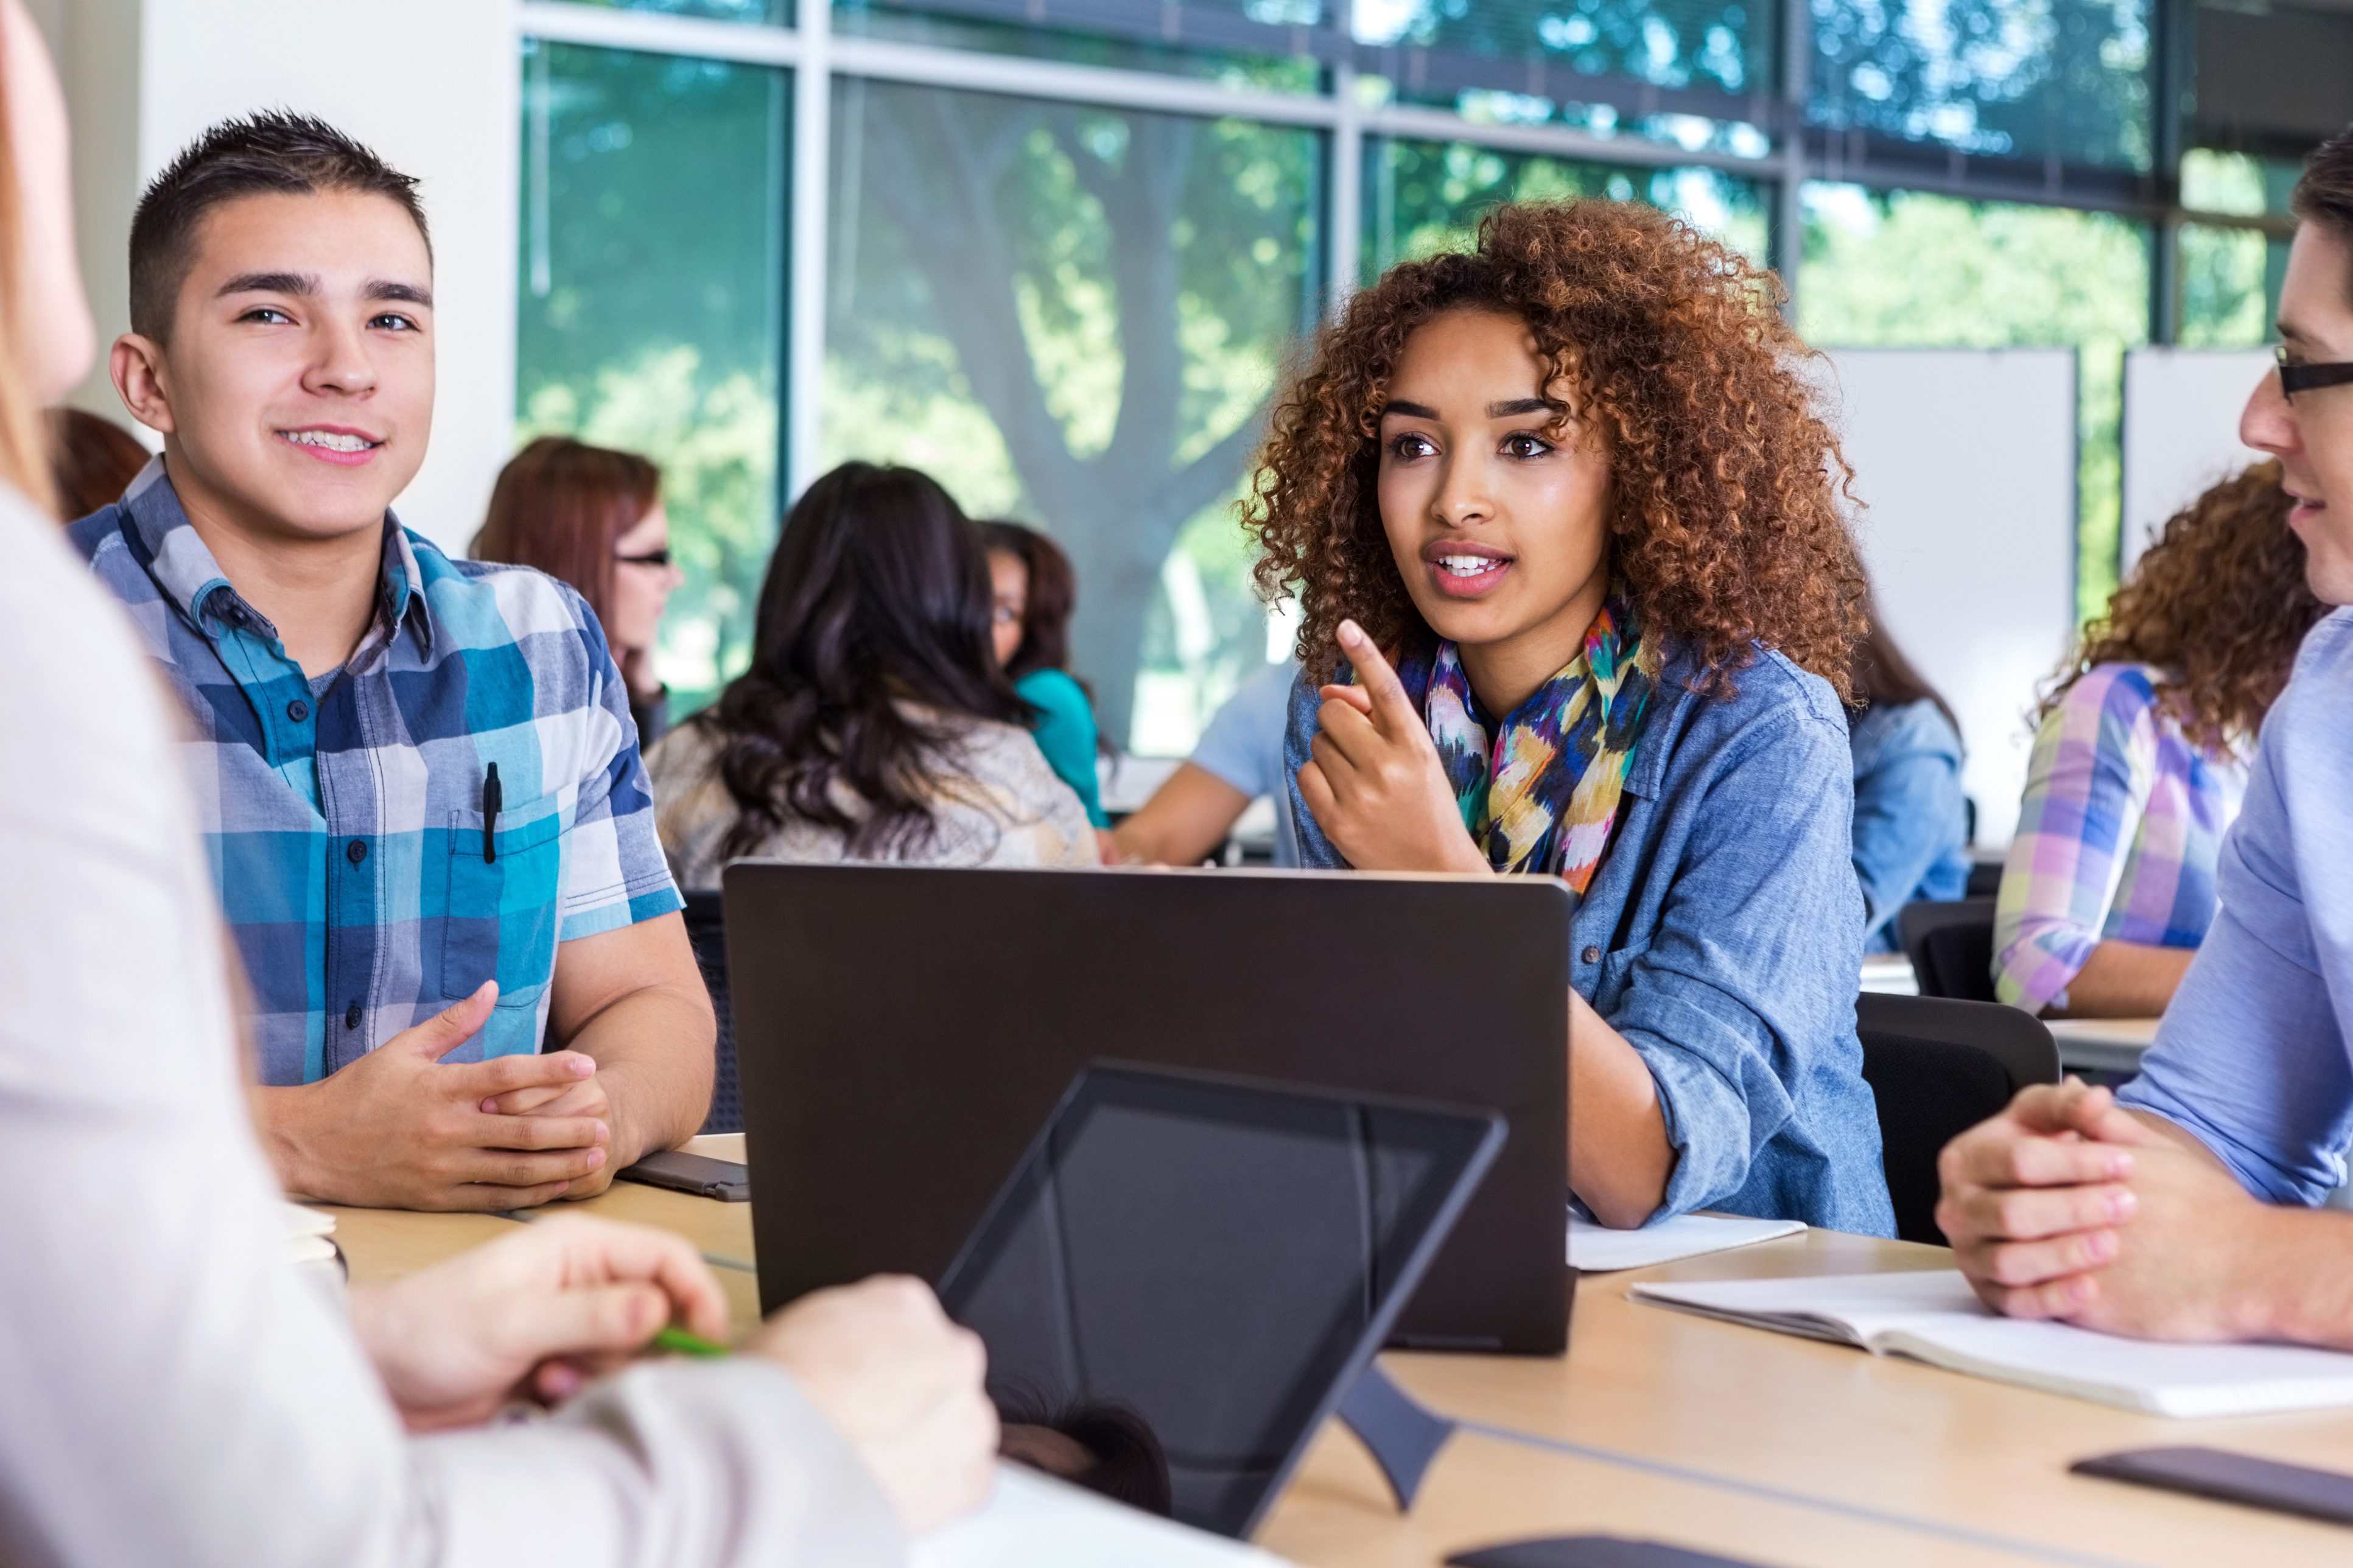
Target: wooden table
(2109, 1044)
(1756, 1445)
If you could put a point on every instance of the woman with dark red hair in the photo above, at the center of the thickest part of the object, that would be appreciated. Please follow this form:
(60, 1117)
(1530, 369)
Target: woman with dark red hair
(593, 517)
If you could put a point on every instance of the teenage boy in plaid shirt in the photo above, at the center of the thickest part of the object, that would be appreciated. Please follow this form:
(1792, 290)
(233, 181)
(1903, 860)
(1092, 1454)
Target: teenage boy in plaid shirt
(430, 826)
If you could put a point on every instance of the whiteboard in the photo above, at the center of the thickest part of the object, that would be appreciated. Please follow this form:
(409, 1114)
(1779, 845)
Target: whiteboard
(2181, 432)
(1965, 460)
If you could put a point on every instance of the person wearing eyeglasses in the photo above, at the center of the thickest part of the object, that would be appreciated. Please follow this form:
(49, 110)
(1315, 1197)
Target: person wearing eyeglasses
(2185, 1205)
(593, 517)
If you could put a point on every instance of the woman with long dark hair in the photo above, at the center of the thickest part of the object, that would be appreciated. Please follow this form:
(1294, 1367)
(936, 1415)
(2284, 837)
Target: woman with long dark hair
(2140, 762)
(1911, 819)
(593, 517)
(1578, 602)
(1032, 591)
(875, 723)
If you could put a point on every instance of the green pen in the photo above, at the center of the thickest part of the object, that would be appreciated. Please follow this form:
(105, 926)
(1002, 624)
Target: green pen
(679, 1340)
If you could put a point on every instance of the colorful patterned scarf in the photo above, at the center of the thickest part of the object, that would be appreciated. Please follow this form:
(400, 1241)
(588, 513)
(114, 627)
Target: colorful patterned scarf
(1542, 795)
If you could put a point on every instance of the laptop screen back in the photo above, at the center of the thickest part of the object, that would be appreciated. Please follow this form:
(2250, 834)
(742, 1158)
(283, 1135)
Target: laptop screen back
(1220, 1257)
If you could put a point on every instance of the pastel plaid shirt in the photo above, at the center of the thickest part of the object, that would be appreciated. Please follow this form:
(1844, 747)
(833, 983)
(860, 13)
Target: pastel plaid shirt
(367, 878)
(2118, 835)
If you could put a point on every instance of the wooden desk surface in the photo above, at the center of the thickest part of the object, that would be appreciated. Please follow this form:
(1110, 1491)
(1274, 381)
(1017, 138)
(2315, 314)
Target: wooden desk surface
(1840, 1435)
(1760, 1447)
(2113, 1045)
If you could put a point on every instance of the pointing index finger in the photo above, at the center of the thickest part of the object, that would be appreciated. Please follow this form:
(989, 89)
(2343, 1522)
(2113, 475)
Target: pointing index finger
(1392, 711)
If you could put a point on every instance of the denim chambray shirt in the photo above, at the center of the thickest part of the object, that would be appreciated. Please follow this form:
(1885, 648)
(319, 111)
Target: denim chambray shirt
(1723, 937)
(1911, 819)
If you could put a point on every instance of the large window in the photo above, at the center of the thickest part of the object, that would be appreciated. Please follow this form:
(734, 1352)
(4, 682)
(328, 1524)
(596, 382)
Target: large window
(1904, 268)
(1074, 316)
(649, 288)
(1054, 251)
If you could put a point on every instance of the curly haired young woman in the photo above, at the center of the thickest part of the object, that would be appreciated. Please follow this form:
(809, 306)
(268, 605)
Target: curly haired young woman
(2141, 759)
(1578, 602)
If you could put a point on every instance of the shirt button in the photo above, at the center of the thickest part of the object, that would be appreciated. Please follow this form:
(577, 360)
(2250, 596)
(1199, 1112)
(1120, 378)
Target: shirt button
(298, 710)
(1591, 955)
(352, 1016)
(356, 851)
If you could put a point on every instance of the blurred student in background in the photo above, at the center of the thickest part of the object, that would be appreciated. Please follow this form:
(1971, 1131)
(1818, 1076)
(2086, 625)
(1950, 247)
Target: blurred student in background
(1577, 602)
(593, 517)
(1910, 820)
(1238, 759)
(2141, 759)
(875, 723)
(268, 1421)
(1032, 591)
(91, 460)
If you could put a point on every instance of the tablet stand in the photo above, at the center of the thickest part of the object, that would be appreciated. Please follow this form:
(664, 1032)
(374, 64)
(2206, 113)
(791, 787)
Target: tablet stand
(1403, 1436)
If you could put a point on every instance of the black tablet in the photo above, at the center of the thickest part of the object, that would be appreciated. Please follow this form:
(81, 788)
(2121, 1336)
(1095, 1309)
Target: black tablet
(1218, 1257)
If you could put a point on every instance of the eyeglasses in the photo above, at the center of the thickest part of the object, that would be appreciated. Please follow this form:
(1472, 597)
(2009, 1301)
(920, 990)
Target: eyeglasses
(2296, 378)
(655, 558)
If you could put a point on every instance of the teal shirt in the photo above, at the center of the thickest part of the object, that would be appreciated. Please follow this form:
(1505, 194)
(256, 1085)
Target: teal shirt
(1066, 733)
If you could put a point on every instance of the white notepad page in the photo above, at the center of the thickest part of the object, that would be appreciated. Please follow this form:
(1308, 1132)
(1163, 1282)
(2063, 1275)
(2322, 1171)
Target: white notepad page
(1598, 1250)
(1932, 1315)
(1031, 1521)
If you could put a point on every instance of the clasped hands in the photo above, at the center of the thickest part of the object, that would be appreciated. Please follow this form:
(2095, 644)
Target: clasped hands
(2068, 1207)
(537, 1315)
(400, 1129)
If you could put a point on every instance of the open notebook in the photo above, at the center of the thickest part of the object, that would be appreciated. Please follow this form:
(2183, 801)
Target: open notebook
(1596, 1249)
(1934, 1317)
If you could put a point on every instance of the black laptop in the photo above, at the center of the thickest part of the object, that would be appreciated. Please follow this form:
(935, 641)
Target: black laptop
(902, 1033)
(1214, 1255)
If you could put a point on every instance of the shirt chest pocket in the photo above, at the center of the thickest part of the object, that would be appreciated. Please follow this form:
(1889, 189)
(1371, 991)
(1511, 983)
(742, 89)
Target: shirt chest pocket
(500, 909)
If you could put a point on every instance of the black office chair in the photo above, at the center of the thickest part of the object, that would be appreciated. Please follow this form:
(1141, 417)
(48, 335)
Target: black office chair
(1938, 1067)
(1951, 947)
(706, 928)
(1985, 880)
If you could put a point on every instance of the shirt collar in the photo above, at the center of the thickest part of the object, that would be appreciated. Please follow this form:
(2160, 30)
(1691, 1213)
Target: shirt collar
(183, 567)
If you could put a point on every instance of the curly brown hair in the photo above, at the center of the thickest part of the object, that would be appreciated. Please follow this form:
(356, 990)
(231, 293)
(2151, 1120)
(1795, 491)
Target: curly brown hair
(2219, 603)
(1725, 522)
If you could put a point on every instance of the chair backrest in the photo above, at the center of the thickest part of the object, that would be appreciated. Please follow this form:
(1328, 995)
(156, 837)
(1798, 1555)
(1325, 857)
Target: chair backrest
(706, 928)
(1950, 946)
(1938, 1067)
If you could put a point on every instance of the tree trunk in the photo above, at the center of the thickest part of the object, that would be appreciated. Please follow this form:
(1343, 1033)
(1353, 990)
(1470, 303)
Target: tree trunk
(938, 160)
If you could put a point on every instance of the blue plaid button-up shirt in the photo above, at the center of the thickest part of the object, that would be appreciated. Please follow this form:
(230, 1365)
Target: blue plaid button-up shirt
(366, 885)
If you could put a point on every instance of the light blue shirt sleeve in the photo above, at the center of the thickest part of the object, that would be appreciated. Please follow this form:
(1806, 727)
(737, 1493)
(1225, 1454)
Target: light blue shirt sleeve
(1243, 746)
(2251, 1056)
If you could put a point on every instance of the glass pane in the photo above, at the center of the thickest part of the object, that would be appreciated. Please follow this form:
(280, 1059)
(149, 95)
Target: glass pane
(1423, 197)
(2239, 184)
(1266, 43)
(2059, 79)
(2230, 282)
(1901, 269)
(1680, 71)
(1074, 316)
(776, 11)
(1725, 44)
(652, 255)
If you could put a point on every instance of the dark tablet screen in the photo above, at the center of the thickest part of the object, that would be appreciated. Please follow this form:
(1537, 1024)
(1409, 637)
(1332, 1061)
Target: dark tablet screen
(1218, 1257)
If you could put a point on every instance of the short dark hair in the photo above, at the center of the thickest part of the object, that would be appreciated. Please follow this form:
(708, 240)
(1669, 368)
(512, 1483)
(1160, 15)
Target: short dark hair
(270, 154)
(2325, 193)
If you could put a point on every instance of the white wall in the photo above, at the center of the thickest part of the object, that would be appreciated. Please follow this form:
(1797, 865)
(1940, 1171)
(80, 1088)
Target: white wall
(2181, 431)
(1966, 461)
(430, 84)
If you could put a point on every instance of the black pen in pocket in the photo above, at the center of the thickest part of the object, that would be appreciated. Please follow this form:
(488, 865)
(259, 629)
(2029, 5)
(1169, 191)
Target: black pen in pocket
(492, 798)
